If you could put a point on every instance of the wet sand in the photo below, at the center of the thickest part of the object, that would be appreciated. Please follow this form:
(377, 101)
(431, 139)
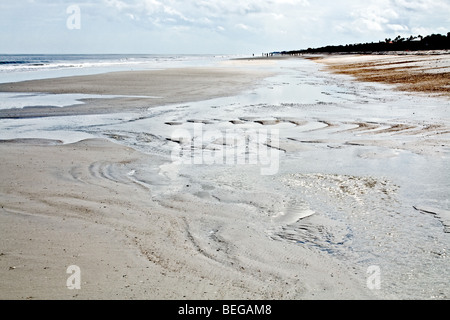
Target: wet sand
(78, 204)
(143, 227)
(140, 89)
(111, 210)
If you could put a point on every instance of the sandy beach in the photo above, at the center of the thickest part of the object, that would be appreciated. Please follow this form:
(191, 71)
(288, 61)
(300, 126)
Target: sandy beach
(73, 205)
(424, 73)
(139, 90)
(141, 226)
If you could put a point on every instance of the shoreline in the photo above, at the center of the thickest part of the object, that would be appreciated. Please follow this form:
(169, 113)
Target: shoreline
(140, 89)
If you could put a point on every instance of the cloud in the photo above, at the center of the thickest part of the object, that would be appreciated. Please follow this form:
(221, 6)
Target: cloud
(216, 25)
(202, 13)
(374, 20)
(397, 27)
(416, 5)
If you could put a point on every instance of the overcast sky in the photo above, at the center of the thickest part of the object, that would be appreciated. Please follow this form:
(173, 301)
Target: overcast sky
(210, 26)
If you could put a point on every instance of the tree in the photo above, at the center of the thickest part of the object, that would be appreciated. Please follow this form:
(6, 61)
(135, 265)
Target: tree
(399, 39)
(430, 42)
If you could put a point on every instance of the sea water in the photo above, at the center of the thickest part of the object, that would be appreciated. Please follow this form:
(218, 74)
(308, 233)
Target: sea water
(15, 68)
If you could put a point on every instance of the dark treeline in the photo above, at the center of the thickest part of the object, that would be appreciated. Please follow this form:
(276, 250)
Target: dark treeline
(432, 42)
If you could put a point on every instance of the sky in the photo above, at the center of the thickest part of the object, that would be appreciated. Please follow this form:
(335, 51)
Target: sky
(210, 26)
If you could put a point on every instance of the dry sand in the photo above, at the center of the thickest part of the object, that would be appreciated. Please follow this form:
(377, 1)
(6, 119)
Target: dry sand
(425, 73)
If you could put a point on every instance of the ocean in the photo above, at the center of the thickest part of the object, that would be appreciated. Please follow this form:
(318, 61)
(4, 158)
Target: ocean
(22, 67)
